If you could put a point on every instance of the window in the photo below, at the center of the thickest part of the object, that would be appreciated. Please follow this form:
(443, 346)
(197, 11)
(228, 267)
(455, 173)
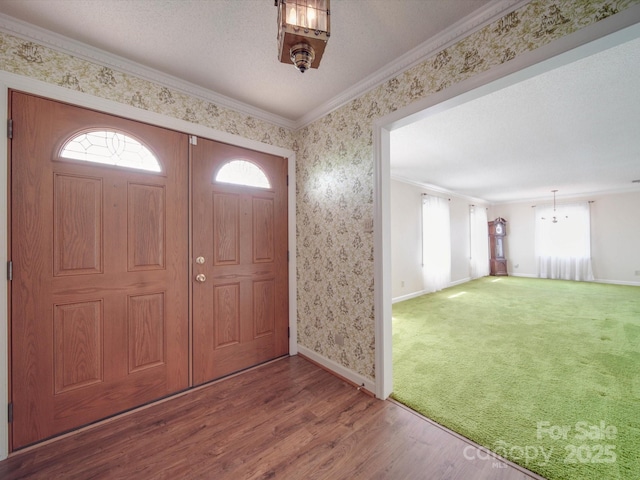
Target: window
(436, 243)
(243, 172)
(563, 246)
(110, 148)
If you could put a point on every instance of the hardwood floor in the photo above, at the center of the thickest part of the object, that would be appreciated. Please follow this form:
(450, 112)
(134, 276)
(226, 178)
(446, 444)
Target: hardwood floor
(287, 419)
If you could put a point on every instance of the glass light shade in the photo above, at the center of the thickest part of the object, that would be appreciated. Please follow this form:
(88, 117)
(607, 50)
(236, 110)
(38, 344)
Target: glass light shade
(303, 22)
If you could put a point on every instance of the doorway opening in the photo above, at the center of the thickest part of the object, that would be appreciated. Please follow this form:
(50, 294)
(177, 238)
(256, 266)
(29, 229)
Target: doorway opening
(582, 44)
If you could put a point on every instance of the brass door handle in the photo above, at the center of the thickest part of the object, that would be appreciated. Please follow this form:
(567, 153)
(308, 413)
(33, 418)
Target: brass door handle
(201, 277)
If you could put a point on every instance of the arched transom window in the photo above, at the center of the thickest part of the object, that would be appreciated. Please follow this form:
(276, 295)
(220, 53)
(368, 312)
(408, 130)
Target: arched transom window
(110, 148)
(243, 172)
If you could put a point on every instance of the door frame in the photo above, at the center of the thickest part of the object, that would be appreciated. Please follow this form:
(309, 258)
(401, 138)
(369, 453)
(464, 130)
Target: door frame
(80, 99)
(586, 41)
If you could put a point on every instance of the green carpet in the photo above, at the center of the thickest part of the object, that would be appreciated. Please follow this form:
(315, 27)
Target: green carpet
(544, 372)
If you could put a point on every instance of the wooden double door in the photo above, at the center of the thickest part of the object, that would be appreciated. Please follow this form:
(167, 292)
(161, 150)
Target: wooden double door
(109, 308)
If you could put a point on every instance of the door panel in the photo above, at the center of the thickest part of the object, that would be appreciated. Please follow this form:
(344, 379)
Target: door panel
(78, 340)
(226, 229)
(146, 239)
(77, 244)
(100, 286)
(240, 310)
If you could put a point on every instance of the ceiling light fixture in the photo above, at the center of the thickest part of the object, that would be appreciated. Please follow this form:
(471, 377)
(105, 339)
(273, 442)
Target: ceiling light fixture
(303, 31)
(554, 219)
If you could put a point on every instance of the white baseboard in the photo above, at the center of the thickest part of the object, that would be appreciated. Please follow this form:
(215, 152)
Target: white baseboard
(338, 369)
(459, 282)
(597, 280)
(409, 296)
(617, 282)
(424, 292)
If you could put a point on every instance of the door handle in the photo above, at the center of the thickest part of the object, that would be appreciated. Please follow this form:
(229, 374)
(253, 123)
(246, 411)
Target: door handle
(201, 277)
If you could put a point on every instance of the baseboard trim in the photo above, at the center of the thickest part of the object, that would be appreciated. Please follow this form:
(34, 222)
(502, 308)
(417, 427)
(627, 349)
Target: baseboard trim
(409, 296)
(617, 282)
(596, 280)
(460, 282)
(338, 370)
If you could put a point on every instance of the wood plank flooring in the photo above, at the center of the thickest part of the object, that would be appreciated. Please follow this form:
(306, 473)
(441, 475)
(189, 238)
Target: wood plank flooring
(288, 419)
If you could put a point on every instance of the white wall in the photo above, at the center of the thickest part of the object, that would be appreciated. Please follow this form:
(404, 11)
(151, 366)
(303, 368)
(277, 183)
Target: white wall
(615, 236)
(406, 238)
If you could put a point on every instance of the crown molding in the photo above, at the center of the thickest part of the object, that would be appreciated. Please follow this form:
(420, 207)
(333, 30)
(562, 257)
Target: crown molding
(590, 196)
(452, 35)
(583, 196)
(63, 44)
(546, 198)
(461, 29)
(441, 190)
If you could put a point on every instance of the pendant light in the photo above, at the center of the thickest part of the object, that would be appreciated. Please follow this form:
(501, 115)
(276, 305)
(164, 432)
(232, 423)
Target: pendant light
(303, 32)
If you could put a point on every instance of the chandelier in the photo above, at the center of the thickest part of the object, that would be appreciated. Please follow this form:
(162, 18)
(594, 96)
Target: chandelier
(303, 31)
(554, 219)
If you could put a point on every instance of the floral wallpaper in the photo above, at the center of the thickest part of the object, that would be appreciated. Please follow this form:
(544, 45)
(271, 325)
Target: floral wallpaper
(334, 176)
(43, 63)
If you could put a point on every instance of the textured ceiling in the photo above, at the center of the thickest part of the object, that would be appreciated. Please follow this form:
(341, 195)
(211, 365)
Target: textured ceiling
(575, 129)
(229, 46)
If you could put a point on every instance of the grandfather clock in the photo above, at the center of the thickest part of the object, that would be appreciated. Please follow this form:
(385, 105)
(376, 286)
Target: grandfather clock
(497, 231)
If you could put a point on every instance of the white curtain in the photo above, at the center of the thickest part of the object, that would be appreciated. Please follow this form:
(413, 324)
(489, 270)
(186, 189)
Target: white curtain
(436, 243)
(563, 247)
(479, 241)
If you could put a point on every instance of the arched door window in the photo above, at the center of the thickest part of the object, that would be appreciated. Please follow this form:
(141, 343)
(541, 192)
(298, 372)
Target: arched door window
(243, 172)
(110, 148)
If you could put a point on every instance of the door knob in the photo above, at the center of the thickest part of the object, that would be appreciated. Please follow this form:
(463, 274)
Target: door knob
(200, 260)
(201, 277)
